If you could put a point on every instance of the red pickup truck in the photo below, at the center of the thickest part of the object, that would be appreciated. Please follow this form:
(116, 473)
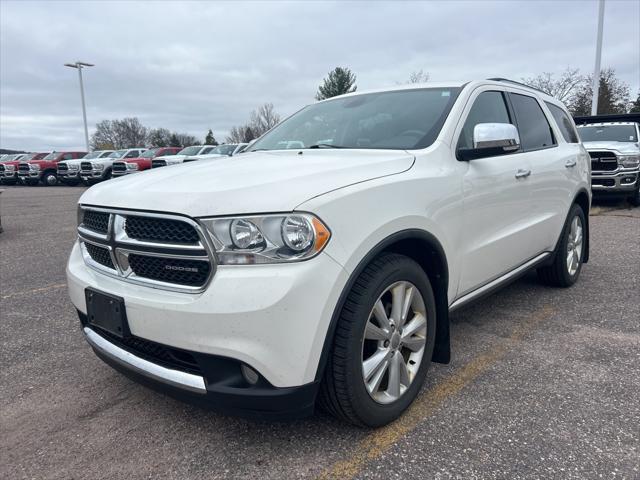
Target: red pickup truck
(143, 162)
(9, 167)
(45, 170)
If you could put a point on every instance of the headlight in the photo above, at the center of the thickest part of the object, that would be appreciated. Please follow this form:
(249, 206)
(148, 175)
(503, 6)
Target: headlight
(629, 161)
(267, 238)
(131, 166)
(98, 166)
(34, 167)
(9, 168)
(73, 166)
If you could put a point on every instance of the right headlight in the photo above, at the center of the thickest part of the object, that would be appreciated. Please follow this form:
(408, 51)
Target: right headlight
(131, 166)
(278, 238)
(629, 161)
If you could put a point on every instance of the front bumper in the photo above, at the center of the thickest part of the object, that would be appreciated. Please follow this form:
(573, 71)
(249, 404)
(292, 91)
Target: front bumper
(121, 173)
(273, 318)
(621, 181)
(89, 174)
(10, 175)
(219, 387)
(70, 174)
(31, 174)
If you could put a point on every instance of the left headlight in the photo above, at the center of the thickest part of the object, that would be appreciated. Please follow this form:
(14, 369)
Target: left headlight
(277, 238)
(630, 161)
(131, 166)
(34, 166)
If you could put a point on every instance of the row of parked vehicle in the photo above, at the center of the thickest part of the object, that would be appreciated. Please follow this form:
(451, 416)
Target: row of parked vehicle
(73, 168)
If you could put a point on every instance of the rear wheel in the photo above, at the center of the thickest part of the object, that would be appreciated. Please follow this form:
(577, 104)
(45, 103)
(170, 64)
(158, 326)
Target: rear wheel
(383, 343)
(565, 269)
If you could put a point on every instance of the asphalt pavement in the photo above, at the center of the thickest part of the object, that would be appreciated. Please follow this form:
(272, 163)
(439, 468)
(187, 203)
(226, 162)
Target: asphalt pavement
(544, 383)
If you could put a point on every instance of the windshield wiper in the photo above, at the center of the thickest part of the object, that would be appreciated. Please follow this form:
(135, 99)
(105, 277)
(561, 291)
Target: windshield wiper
(325, 145)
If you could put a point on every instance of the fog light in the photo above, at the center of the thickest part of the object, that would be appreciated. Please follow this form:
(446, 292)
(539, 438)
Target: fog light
(249, 374)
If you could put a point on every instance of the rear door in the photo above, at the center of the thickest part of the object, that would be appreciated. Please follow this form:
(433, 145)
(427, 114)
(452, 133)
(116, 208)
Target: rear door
(496, 199)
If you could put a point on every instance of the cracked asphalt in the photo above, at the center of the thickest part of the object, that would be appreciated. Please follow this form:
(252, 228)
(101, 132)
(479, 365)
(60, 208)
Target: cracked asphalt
(544, 383)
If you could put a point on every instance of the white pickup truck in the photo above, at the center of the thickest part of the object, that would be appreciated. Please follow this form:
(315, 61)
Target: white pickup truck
(187, 152)
(324, 274)
(614, 147)
(69, 170)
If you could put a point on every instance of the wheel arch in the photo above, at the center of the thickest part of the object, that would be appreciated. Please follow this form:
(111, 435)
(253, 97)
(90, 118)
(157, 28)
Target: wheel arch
(425, 249)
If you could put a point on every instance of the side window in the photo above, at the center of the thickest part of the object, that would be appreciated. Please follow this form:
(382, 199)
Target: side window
(132, 154)
(567, 127)
(489, 107)
(535, 131)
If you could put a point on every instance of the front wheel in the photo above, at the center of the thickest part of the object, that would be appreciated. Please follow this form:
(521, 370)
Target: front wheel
(49, 179)
(566, 266)
(383, 343)
(635, 198)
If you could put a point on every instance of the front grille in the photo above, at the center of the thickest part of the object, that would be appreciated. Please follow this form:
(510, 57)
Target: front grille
(158, 163)
(605, 182)
(166, 356)
(160, 230)
(100, 255)
(170, 270)
(603, 161)
(63, 168)
(24, 167)
(86, 166)
(119, 167)
(96, 221)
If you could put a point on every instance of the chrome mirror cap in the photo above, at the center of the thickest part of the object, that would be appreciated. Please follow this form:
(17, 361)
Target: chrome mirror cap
(496, 135)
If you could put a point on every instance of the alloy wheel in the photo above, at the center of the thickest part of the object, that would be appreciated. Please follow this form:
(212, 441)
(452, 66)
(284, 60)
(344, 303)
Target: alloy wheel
(574, 246)
(394, 342)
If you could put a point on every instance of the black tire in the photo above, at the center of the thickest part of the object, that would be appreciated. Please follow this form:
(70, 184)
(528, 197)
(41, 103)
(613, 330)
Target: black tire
(635, 198)
(557, 274)
(49, 179)
(343, 392)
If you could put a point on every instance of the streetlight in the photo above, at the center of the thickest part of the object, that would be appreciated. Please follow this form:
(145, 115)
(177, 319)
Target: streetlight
(595, 84)
(79, 66)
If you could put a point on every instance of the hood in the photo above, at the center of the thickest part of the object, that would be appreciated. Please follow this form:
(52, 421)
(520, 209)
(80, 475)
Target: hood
(624, 148)
(76, 161)
(169, 157)
(256, 182)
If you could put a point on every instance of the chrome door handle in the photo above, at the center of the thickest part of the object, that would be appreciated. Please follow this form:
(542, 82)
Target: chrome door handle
(570, 163)
(522, 173)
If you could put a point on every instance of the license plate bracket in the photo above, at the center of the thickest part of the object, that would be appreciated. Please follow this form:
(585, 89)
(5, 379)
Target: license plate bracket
(107, 312)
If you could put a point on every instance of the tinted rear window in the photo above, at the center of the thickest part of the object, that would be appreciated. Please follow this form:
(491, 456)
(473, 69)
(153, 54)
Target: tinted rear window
(535, 131)
(567, 128)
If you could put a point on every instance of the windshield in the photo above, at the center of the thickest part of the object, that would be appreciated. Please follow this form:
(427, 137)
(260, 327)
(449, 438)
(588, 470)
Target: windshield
(29, 156)
(223, 150)
(150, 153)
(52, 156)
(95, 154)
(190, 150)
(118, 154)
(396, 120)
(608, 133)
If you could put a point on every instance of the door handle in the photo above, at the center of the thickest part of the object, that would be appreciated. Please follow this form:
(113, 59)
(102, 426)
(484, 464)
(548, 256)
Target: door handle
(570, 163)
(523, 173)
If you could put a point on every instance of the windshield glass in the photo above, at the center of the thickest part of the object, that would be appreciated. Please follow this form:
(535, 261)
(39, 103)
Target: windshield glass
(29, 156)
(92, 155)
(52, 156)
(223, 150)
(150, 153)
(396, 120)
(190, 150)
(118, 154)
(608, 133)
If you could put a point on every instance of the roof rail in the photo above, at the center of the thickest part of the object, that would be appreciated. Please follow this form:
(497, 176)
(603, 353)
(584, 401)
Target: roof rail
(499, 79)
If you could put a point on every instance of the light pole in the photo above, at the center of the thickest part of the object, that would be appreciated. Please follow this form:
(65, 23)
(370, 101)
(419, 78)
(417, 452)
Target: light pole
(595, 85)
(79, 66)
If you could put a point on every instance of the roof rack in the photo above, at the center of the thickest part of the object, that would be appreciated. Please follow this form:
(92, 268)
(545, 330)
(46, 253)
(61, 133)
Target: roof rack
(499, 79)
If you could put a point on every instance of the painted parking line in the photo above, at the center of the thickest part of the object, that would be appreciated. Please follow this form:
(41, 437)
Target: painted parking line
(55, 286)
(379, 441)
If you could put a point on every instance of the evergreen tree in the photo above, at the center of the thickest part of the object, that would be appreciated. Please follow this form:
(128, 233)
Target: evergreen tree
(635, 106)
(340, 81)
(210, 139)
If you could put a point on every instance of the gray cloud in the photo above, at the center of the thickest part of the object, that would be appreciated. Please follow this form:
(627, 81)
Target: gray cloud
(190, 66)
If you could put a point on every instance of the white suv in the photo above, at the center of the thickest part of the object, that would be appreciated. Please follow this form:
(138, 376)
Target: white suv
(325, 273)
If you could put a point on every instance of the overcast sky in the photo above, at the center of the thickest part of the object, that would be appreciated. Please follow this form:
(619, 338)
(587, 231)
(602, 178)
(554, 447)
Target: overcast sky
(191, 66)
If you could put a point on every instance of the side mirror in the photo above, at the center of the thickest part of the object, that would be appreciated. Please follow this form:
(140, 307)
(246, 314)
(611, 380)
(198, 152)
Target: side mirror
(490, 140)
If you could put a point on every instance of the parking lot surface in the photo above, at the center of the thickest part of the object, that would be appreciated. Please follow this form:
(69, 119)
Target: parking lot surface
(544, 383)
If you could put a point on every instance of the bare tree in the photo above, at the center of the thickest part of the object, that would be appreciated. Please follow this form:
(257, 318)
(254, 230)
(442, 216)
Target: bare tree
(418, 76)
(159, 137)
(563, 87)
(186, 140)
(130, 132)
(105, 137)
(263, 119)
